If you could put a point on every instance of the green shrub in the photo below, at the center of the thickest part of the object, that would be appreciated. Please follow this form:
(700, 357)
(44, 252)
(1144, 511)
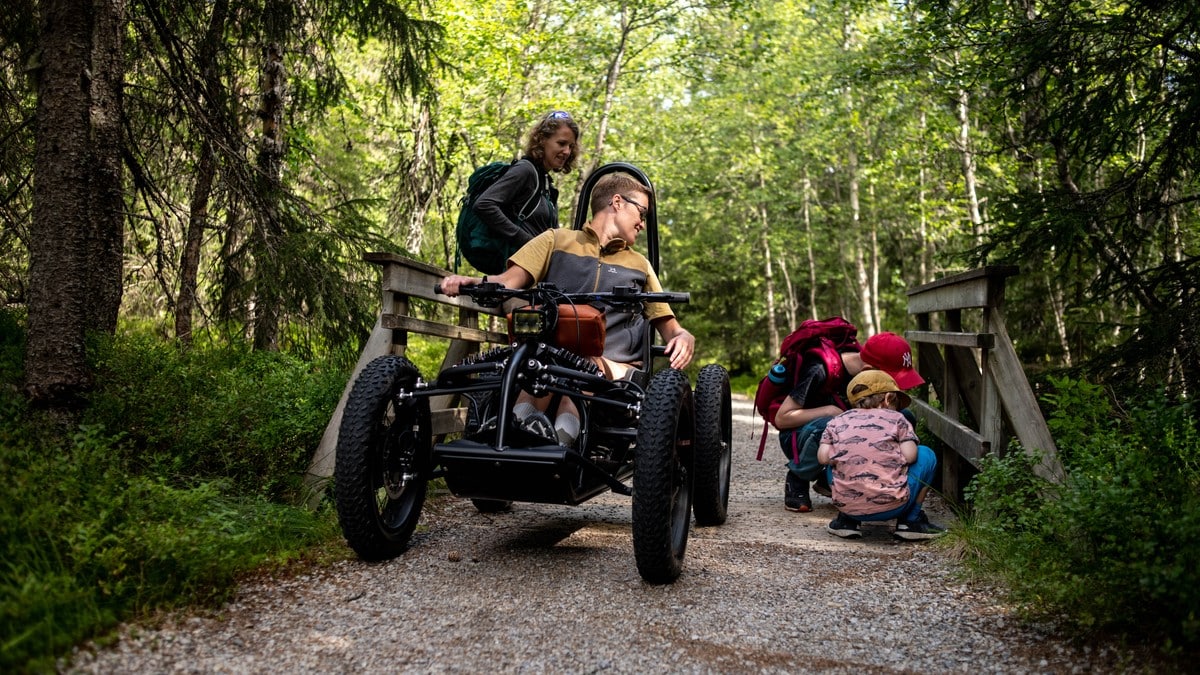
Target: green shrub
(253, 418)
(89, 543)
(161, 498)
(1116, 547)
(427, 354)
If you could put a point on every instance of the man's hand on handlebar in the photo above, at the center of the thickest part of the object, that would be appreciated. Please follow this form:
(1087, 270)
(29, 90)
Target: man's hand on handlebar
(450, 285)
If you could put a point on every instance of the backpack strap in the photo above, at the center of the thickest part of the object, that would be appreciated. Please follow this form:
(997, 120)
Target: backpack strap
(524, 212)
(835, 371)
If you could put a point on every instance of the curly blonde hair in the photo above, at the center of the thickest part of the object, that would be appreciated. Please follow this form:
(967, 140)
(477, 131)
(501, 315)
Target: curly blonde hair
(546, 126)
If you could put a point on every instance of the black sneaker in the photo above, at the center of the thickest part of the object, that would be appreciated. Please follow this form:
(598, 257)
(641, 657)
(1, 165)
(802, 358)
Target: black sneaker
(821, 486)
(795, 494)
(844, 526)
(537, 424)
(919, 529)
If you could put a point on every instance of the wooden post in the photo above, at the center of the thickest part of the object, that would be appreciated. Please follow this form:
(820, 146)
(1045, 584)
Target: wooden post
(989, 387)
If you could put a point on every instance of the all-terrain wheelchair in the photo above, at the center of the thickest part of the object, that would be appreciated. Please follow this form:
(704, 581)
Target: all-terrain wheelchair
(649, 436)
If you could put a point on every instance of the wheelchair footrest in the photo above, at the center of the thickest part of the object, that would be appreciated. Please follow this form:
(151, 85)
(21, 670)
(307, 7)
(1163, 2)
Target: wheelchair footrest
(549, 474)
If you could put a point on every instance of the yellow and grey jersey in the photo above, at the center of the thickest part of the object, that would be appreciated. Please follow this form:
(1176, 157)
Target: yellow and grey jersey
(574, 261)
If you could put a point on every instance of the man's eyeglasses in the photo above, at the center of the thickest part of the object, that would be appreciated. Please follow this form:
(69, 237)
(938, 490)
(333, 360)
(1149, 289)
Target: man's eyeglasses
(641, 209)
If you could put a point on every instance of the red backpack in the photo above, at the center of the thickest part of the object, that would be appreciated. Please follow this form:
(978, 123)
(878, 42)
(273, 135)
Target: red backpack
(824, 339)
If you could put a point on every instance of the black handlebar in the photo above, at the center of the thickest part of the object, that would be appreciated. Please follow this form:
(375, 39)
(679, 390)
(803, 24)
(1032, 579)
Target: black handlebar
(492, 294)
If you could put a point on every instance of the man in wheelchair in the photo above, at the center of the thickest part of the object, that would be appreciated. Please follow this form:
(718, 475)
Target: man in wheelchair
(597, 257)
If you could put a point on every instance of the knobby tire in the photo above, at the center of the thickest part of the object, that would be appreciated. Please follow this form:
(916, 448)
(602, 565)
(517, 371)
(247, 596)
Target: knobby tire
(662, 478)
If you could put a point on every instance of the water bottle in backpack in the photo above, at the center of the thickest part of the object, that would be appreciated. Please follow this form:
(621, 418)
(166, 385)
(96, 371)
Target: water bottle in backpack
(778, 374)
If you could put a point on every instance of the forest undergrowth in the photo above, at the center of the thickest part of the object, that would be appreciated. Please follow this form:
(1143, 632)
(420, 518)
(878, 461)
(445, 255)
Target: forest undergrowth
(1115, 548)
(180, 475)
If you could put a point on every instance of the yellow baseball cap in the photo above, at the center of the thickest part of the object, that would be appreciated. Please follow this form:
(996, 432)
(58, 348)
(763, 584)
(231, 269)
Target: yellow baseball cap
(874, 382)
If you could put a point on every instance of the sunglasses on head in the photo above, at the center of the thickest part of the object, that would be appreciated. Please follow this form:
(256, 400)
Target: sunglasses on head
(558, 115)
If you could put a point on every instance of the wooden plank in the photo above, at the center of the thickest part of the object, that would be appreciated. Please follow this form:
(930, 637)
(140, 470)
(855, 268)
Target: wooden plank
(975, 340)
(966, 442)
(973, 293)
(993, 272)
(973, 288)
(417, 279)
(931, 366)
(1022, 407)
(382, 258)
(964, 368)
(448, 421)
(408, 323)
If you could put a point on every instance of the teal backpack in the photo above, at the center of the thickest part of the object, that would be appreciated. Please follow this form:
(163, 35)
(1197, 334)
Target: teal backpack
(482, 246)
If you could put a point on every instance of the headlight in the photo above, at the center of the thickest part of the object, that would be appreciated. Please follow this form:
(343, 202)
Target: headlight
(528, 321)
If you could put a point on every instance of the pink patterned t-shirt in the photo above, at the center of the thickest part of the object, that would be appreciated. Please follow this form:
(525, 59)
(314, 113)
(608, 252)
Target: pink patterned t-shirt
(869, 472)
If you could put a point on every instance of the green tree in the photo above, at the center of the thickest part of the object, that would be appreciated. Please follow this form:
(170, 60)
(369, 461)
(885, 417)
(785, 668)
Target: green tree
(1098, 102)
(75, 238)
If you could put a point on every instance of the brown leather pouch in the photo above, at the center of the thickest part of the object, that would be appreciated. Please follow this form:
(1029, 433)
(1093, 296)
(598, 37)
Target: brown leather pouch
(580, 329)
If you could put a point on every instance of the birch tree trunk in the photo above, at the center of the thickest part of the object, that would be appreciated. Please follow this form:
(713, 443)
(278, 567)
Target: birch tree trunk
(873, 259)
(612, 75)
(926, 256)
(860, 244)
(420, 178)
(768, 272)
(793, 303)
(806, 202)
(967, 158)
(854, 186)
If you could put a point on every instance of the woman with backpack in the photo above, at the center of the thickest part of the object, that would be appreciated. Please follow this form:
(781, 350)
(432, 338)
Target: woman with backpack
(523, 202)
(817, 398)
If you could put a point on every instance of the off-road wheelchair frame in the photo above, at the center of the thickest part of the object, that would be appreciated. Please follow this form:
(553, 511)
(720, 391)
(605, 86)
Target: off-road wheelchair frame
(649, 436)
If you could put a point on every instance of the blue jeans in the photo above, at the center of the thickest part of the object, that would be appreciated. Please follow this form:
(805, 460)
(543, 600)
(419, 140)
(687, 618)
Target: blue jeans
(920, 475)
(800, 445)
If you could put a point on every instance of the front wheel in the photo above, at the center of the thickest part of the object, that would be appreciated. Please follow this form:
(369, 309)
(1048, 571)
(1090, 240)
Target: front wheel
(383, 451)
(714, 445)
(662, 478)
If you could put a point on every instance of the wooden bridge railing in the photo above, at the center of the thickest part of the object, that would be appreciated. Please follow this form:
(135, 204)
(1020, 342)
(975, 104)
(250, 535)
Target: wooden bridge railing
(975, 375)
(404, 279)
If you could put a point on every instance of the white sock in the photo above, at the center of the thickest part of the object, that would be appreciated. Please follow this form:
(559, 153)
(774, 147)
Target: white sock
(566, 427)
(524, 409)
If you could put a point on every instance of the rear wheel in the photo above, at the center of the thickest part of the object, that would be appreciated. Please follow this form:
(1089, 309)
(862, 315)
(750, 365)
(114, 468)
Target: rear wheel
(662, 478)
(382, 459)
(714, 446)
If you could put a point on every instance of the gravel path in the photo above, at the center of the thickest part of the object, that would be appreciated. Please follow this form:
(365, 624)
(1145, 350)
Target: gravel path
(554, 589)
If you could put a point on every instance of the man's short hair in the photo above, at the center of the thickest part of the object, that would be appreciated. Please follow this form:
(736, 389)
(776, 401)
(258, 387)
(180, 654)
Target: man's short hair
(618, 183)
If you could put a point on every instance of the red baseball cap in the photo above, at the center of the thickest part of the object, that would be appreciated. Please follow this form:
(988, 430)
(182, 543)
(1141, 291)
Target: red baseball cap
(891, 354)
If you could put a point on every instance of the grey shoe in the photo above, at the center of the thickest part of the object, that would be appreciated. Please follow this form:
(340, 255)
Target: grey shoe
(821, 486)
(919, 529)
(844, 526)
(537, 424)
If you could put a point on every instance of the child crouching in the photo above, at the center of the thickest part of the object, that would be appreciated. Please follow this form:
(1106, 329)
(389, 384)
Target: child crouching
(878, 472)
